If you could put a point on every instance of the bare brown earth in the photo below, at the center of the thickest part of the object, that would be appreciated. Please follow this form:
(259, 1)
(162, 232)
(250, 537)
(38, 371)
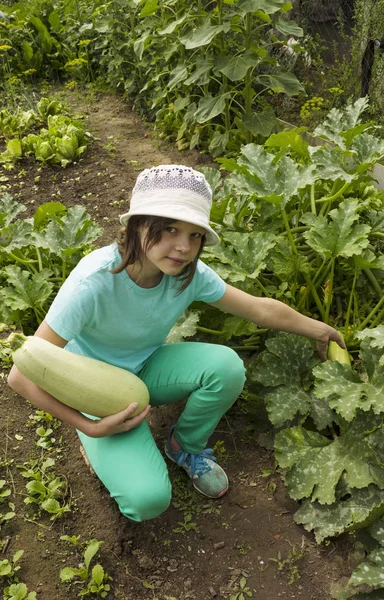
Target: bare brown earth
(198, 549)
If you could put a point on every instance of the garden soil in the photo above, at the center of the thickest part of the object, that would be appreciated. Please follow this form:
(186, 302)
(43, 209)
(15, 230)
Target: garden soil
(199, 549)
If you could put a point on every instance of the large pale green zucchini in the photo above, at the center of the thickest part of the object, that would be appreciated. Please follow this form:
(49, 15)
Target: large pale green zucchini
(88, 385)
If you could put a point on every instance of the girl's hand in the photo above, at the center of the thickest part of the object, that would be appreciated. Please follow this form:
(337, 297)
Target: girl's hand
(328, 335)
(117, 423)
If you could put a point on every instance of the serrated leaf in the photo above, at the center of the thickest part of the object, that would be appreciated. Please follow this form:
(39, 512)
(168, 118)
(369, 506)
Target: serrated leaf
(317, 463)
(288, 358)
(369, 149)
(75, 230)
(376, 336)
(338, 121)
(330, 163)
(17, 235)
(358, 510)
(346, 391)
(184, 327)
(276, 182)
(339, 237)
(245, 253)
(370, 572)
(25, 290)
(286, 366)
(289, 265)
(9, 209)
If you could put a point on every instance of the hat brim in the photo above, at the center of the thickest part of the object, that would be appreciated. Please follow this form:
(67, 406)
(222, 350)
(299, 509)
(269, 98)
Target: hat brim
(211, 237)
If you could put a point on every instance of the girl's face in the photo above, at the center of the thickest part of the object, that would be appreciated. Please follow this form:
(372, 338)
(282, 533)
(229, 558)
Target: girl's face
(179, 245)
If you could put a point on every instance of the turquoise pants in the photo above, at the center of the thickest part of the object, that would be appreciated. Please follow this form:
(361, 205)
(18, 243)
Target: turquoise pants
(129, 464)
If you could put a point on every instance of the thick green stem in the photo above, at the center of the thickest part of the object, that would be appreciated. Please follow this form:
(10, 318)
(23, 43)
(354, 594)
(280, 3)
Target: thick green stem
(316, 298)
(248, 77)
(372, 313)
(288, 230)
(313, 201)
(330, 291)
(335, 196)
(373, 281)
(349, 308)
(24, 261)
(263, 289)
(210, 331)
(245, 348)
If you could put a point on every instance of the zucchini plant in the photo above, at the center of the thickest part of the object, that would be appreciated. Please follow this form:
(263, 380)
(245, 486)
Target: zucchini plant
(304, 223)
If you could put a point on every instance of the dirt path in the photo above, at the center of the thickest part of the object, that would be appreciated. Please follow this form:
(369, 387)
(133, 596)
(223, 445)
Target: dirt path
(199, 549)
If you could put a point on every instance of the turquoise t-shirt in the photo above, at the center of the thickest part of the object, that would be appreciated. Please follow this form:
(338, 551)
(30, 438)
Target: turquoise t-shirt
(110, 318)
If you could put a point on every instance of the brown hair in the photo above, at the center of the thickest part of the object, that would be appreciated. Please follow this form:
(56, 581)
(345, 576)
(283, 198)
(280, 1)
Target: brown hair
(131, 251)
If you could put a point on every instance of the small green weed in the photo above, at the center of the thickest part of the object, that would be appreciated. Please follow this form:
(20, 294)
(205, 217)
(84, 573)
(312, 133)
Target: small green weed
(92, 581)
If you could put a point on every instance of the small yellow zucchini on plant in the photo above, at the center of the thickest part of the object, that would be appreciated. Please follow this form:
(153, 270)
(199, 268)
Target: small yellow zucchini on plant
(337, 353)
(85, 384)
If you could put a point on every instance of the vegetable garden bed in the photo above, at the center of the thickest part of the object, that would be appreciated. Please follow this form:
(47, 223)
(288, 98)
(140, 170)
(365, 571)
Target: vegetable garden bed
(196, 550)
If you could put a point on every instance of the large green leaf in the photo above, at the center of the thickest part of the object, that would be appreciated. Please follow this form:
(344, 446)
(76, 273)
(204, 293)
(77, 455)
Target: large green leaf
(177, 75)
(281, 82)
(173, 25)
(287, 27)
(73, 231)
(358, 510)
(340, 121)
(202, 36)
(286, 366)
(339, 237)
(25, 290)
(370, 572)
(268, 6)
(200, 75)
(330, 163)
(17, 235)
(344, 388)
(289, 265)
(9, 209)
(317, 463)
(276, 181)
(210, 107)
(369, 150)
(236, 67)
(244, 253)
(260, 123)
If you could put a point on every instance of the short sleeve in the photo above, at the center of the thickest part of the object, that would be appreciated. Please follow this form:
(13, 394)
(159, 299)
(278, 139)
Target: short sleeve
(72, 310)
(209, 287)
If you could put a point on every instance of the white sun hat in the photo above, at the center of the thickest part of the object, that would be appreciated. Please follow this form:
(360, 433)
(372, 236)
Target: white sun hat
(176, 192)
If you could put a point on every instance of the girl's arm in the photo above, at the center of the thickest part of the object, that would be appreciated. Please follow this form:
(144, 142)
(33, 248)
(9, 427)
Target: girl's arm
(30, 391)
(273, 314)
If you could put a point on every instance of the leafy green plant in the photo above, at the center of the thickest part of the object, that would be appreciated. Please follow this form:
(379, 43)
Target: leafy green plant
(36, 256)
(18, 591)
(330, 438)
(95, 579)
(241, 590)
(45, 489)
(303, 223)
(9, 568)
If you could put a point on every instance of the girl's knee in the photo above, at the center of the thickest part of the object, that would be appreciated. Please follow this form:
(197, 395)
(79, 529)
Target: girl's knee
(226, 365)
(148, 504)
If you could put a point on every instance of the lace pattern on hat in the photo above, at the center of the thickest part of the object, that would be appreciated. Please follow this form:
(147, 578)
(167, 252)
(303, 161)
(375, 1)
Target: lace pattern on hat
(172, 177)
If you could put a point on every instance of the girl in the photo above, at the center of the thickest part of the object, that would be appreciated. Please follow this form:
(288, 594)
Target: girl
(119, 304)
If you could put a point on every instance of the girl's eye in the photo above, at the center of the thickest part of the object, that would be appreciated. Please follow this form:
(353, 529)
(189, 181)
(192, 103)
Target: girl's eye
(170, 229)
(197, 235)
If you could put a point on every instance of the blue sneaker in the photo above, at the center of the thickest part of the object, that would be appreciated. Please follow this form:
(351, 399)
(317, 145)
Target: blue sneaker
(207, 476)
